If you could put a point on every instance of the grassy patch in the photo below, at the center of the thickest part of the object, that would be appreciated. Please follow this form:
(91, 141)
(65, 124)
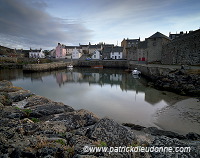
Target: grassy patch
(100, 144)
(35, 120)
(27, 112)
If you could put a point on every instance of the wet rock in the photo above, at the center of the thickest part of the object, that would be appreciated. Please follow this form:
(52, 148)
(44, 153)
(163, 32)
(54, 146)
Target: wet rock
(76, 119)
(112, 133)
(156, 132)
(164, 141)
(19, 95)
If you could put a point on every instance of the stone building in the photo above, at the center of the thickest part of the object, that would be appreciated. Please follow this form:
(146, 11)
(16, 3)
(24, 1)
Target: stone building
(183, 50)
(128, 44)
(154, 47)
(149, 50)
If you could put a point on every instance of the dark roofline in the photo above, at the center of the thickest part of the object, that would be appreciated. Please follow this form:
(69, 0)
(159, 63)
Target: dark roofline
(158, 35)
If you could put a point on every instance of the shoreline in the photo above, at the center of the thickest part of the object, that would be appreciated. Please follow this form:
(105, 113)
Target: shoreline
(49, 128)
(172, 78)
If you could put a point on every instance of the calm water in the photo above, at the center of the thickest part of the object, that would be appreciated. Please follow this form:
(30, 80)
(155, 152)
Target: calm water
(108, 93)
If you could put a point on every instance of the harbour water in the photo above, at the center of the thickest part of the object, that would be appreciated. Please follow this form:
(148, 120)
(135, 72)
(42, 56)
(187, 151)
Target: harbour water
(111, 93)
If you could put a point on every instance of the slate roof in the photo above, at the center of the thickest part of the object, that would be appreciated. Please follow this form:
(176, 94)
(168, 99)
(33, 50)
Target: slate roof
(117, 49)
(158, 35)
(94, 46)
(142, 45)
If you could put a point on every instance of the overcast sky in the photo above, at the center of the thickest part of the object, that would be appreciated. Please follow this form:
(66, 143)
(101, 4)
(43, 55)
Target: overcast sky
(44, 23)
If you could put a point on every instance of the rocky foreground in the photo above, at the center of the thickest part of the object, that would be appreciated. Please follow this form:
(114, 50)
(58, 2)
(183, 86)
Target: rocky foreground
(33, 126)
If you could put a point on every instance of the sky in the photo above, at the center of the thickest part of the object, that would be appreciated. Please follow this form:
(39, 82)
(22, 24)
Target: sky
(45, 23)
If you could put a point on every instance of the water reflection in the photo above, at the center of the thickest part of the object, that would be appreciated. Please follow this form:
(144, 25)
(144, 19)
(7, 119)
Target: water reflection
(106, 92)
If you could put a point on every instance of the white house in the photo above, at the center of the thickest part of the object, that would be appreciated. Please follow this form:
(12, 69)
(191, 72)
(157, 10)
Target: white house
(76, 54)
(70, 49)
(96, 55)
(116, 53)
(36, 54)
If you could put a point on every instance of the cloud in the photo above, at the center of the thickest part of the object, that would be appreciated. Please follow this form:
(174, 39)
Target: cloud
(25, 23)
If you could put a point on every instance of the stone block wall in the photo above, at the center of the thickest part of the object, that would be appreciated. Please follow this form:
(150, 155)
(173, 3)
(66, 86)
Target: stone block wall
(183, 50)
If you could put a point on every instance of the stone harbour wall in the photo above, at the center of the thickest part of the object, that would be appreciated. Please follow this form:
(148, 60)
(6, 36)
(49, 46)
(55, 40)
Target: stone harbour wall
(183, 50)
(105, 63)
(172, 79)
(45, 67)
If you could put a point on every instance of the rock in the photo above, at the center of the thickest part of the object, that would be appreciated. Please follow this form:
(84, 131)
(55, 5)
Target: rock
(42, 107)
(193, 136)
(49, 109)
(76, 119)
(53, 127)
(112, 133)
(78, 142)
(30, 128)
(163, 141)
(5, 84)
(37, 100)
(19, 95)
(156, 132)
(133, 126)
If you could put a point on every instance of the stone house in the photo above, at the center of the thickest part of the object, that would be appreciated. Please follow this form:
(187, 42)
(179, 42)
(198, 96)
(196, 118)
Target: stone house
(106, 51)
(128, 43)
(142, 51)
(149, 50)
(183, 50)
(154, 47)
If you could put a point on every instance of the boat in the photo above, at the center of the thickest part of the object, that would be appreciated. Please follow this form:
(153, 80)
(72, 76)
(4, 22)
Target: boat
(136, 72)
(70, 66)
(97, 66)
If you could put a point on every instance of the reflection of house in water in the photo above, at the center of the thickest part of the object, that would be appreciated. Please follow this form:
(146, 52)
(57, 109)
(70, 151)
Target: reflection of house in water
(116, 77)
(61, 78)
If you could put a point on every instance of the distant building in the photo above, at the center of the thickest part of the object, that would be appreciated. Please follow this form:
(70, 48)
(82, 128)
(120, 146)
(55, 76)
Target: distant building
(36, 53)
(92, 48)
(106, 50)
(176, 35)
(128, 43)
(70, 49)
(96, 55)
(116, 53)
(76, 54)
(60, 51)
(154, 46)
(149, 50)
